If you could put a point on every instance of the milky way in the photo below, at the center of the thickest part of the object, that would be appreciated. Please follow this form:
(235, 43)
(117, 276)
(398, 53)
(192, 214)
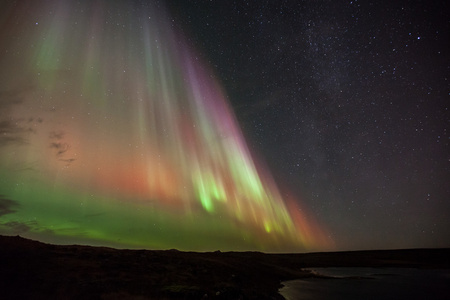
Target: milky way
(114, 131)
(347, 101)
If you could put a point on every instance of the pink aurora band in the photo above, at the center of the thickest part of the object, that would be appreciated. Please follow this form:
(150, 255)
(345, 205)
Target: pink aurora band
(118, 133)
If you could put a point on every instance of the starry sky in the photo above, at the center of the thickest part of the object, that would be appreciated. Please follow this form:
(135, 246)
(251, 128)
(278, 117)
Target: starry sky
(347, 102)
(232, 125)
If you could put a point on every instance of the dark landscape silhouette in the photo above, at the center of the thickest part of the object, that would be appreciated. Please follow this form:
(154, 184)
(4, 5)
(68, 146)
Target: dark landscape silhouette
(35, 270)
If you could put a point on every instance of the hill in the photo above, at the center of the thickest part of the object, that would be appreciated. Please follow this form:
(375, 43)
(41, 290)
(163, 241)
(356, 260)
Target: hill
(34, 270)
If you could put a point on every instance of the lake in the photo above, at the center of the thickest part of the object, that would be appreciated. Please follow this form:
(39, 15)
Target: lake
(370, 283)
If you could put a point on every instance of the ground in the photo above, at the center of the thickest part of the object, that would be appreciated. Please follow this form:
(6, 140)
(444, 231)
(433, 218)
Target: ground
(34, 270)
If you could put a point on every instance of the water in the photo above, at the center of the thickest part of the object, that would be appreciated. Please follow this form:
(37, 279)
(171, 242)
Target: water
(370, 283)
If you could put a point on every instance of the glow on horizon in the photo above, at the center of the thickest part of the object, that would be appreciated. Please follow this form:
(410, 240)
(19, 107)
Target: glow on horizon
(115, 132)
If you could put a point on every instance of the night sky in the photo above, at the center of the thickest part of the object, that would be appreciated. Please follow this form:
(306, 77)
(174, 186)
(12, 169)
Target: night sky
(232, 125)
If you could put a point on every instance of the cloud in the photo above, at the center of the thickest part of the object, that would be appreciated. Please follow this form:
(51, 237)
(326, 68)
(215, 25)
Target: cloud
(13, 127)
(61, 148)
(7, 206)
(18, 227)
(56, 135)
(68, 161)
(10, 98)
(11, 133)
(23, 227)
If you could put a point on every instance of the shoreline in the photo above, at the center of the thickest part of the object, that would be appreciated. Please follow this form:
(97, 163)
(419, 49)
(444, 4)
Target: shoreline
(74, 271)
(370, 283)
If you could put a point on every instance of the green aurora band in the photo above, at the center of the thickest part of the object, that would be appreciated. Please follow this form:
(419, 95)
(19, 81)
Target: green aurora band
(113, 131)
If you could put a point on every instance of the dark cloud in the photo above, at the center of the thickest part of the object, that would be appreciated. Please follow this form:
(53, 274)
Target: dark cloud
(14, 128)
(22, 227)
(56, 135)
(61, 148)
(11, 133)
(19, 227)
(55, 138)
(7, 206)
(68, 161)
(10, 98)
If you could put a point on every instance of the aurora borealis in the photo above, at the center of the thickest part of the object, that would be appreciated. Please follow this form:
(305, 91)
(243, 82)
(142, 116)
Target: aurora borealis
(231, 125)
(115, 131)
